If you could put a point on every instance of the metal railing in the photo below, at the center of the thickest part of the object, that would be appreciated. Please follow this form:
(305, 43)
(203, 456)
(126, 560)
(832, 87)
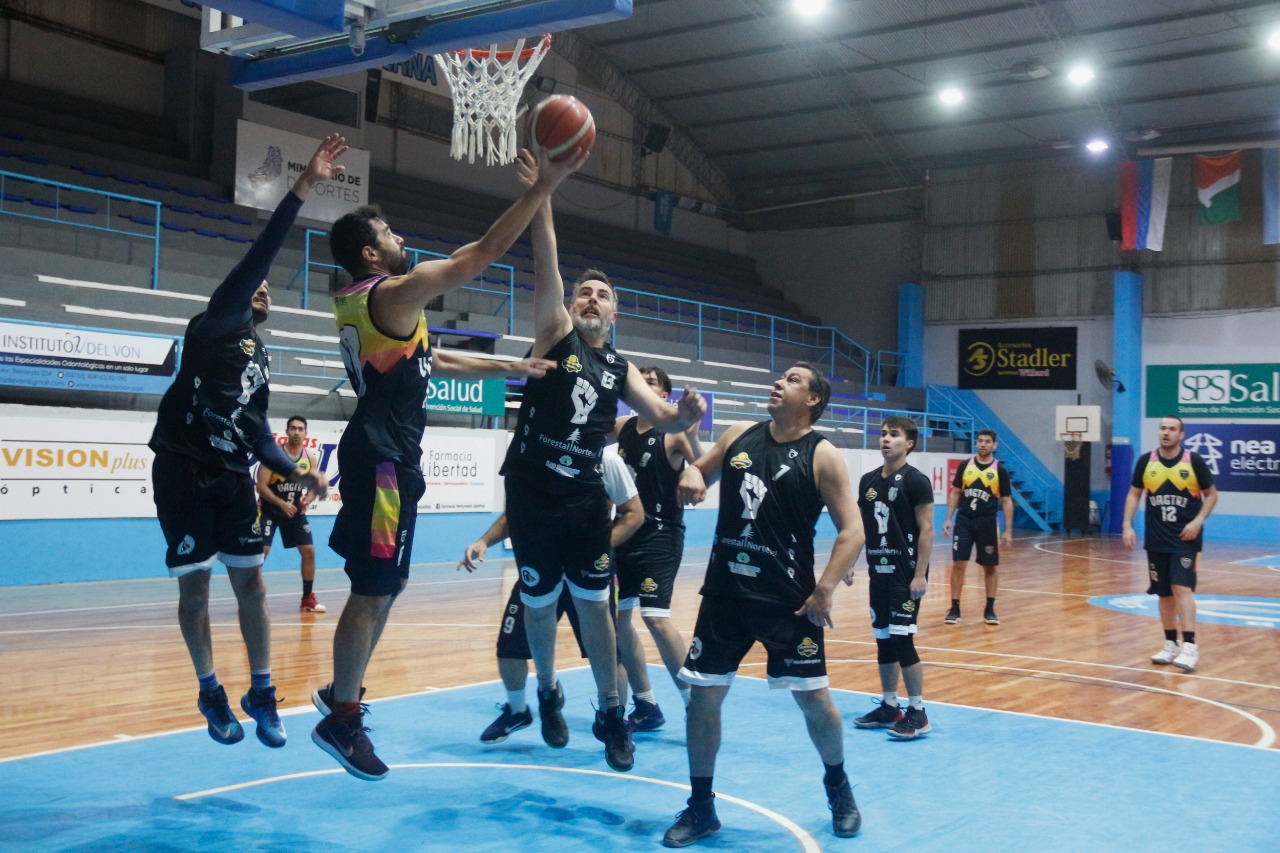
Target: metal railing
(51, 205)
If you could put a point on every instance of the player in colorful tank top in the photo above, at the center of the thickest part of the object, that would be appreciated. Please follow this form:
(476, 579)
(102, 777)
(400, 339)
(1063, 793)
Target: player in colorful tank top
(1180, 494)
(979, 491)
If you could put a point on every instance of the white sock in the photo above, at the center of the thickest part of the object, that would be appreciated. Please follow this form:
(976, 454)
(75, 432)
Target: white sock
(916, 702)
(890, 698)
(515, 698)
(646, 696)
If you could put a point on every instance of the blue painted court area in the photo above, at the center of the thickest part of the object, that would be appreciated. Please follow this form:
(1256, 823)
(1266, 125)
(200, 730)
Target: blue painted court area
(1240, 610)
(1270, 561)
(984, 780)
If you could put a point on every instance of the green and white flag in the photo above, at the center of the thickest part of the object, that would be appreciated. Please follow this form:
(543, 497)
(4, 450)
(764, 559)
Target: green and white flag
(1218, 188)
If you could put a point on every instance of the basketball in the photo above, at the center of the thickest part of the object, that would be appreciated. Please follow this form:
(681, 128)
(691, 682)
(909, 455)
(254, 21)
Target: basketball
(562, 125)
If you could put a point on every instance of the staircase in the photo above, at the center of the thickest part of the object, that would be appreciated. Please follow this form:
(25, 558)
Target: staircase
(1036, 491)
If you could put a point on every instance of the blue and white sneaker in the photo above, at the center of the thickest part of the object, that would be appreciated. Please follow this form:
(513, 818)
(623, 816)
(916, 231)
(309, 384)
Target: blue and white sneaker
(646, 717)
(260, 703)
(223, 725)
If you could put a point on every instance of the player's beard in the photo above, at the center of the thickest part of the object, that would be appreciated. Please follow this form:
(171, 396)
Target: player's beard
(397, 264)
(260, 315)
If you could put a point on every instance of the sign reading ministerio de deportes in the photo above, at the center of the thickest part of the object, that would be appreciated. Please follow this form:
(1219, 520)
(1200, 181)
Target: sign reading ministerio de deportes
(1022, 359)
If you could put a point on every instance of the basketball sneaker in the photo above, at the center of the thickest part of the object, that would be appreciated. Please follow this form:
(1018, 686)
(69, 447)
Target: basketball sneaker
(310, 605)
(554, 729)
(322, 698)
(223, 725)
(882, 717)
(697, 821)
(347, 741)
(507, 723)
(989, 615)
(1166, 654)
(846, 820)
(646, 717)
(914, 724)
(611, 729)
(260, 703)
(953, 616)
(1188, 658)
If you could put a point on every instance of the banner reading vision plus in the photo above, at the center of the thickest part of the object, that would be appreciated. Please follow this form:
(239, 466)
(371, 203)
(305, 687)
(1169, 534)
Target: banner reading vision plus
(1035, 359)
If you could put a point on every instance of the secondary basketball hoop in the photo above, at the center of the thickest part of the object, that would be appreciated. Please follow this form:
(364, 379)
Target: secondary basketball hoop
(486, 87)
(1071, 442)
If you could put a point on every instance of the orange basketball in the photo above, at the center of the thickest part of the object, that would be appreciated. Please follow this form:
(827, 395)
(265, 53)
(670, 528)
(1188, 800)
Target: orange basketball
(561, 124)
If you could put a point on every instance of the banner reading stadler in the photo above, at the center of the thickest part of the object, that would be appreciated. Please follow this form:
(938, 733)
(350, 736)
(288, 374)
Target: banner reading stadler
(1021, 359)
(268, 161)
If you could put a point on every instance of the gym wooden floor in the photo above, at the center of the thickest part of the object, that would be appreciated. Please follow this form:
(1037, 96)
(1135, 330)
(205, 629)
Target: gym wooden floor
(87, 663)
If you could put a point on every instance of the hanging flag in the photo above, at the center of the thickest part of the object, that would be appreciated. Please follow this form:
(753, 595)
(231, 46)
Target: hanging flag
(1271, 196)
(1218, 188)
(1144, 202)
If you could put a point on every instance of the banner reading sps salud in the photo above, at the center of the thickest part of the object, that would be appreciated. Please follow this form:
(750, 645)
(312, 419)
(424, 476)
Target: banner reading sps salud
(39, 356)
(1021, 359)
(268, 161)
(1213, 390)
(1241, 457)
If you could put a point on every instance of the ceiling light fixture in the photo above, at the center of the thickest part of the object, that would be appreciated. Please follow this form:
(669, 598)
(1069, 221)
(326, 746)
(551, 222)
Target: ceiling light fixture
(809, 8)
(951, 96)
(1273, 41)
(1097, 146)
(1080, 74)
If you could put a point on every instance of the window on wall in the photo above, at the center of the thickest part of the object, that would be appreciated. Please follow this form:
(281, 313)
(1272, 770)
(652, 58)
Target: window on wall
(317, 100)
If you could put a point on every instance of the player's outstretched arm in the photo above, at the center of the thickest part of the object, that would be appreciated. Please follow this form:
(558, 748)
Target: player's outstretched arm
(1131, 502)
(666, 418)
(475, 552)
(457, 366)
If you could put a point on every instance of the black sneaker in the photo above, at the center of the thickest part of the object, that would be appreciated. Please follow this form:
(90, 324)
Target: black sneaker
(846, 820)
(554, 730)
(322, 698)
(611, 729)
(507, 722)
(914, 724)
(647, 717)
(223, 725)
(697, 821)
(882, 717)
(346, 741)
(989, 615)
(952, 617)
(260, 703)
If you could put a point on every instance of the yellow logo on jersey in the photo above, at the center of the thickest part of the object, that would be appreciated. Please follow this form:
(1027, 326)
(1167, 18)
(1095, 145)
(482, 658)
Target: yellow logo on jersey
(602, 564)
(807, 648)
(572, 365)
(871, 494)
(247, 346)
(742, 460)
(909, 606)
(648, 585)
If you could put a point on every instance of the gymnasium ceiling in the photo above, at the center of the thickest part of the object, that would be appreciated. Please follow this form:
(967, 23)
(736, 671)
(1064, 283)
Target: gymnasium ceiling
(774, 109)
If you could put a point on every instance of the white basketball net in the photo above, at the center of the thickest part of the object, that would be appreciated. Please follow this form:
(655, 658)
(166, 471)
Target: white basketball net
(486, 87)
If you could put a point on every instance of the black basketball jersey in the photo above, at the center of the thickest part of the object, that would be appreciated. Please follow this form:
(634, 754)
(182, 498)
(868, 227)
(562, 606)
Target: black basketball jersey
(769, 508)
(983, 487)
(646, 456)
(566, 415)
(1175, 493)
(216, 408)
(888, 506)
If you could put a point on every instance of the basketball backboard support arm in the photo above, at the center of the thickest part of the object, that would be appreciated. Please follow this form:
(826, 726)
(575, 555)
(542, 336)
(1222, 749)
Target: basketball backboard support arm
(393, 31)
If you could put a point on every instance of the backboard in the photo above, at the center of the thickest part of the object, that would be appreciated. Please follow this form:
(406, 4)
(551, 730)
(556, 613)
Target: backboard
(274, 42)
(1084, 420)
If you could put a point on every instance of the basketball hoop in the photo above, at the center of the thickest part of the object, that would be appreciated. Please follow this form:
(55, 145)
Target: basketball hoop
(486, 87)
(1071, 442)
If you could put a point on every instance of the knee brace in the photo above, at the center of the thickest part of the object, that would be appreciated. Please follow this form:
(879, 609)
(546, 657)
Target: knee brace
(885, 651)
(904, 646)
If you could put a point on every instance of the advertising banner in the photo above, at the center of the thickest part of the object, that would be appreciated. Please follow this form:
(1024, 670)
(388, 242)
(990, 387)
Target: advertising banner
(1242, 457)
(40, 356)
(1213, 390)
(467, 396)
(268, 161)
(1021, 359)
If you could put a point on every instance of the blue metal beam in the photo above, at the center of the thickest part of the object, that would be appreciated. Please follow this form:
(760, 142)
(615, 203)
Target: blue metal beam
(301, 18)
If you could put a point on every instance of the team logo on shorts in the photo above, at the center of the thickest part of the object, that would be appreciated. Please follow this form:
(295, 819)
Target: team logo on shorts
(572, 365)
(909, 606)
(1155, 577)
(695, 649)
(990, 549)
(602, 563)
(1186, 562)
(257, 526)
(648, 585)
(528, 576)
(807, 648)
(186, 546)
(741, 461)
(247, 346)
(306, 528)
(871, 494)
(513, 609)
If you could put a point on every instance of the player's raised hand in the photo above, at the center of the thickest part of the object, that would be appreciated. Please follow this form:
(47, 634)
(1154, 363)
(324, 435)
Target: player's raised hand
(691, 405)
(692, 488)
(323, 165)
(530, 368)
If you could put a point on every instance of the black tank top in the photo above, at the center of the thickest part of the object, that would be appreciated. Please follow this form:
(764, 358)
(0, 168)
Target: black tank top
(216, 407)
(769, 508)
(656, 480)
(566, 415)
